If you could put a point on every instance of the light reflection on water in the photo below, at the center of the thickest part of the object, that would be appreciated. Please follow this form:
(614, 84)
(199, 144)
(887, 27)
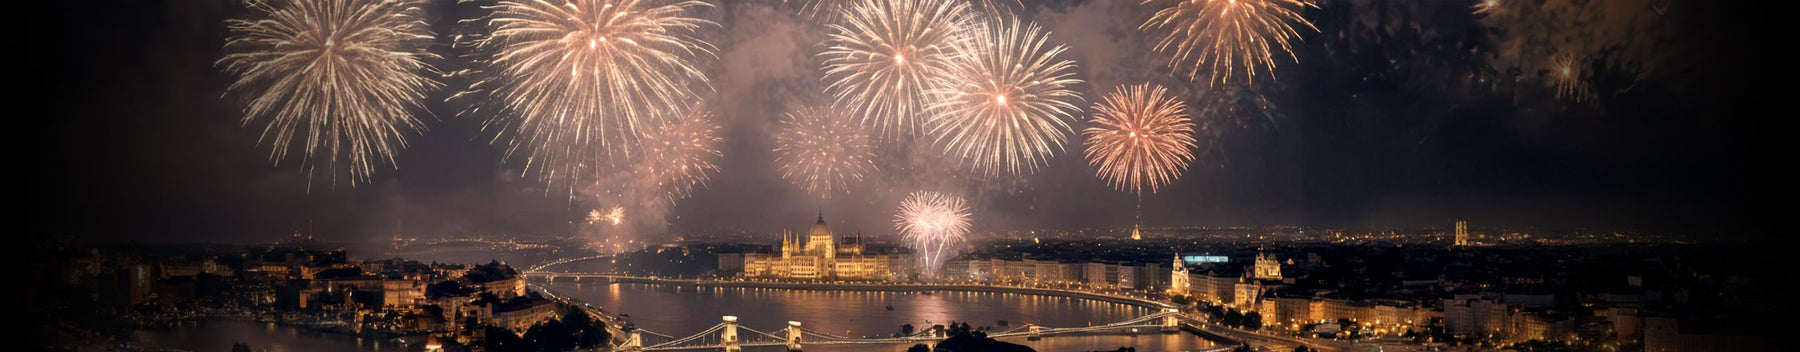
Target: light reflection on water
(208, 336)
(681, 310)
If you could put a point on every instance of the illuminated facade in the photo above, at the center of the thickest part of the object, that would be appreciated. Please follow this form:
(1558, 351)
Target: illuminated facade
(816, 255)
(1178, 276)
(1266, 267)
(1462, 233)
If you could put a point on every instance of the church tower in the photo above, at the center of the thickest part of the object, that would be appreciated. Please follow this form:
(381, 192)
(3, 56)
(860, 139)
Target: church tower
(1178, 276)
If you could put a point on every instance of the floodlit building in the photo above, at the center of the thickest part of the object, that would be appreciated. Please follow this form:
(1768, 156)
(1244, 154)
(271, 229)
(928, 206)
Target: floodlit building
(816, 255)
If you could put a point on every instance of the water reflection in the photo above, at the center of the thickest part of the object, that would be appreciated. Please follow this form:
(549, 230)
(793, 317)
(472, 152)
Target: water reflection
(685, 309)
(220, 335)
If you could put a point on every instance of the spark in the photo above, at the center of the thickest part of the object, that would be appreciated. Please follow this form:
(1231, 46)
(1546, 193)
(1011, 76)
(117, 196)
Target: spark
(1220, 39)
(348, 74)
(1005, 107)
(882, 56)
(1565, 78)
(682, 153)
(821, 150)
(576, 82)
(1142, 138)
(614, 215)
(933, 224)
(1488, 7)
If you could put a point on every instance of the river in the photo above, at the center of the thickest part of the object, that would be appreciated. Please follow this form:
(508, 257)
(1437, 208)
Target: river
(681, 310)
(219, 335)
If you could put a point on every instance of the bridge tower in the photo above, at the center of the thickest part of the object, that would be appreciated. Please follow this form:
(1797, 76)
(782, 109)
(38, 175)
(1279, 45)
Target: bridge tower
(793, 336)
(633, 342)
(1171, 322)
(1035, 332)
(729, 335)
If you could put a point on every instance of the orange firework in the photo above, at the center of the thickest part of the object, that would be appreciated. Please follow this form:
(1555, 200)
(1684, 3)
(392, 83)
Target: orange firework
(1142, 138)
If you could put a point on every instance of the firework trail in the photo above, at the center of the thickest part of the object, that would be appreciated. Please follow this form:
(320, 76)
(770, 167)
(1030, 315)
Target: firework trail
(821, 150)
(573, 84)
(1005, 107)
(347, 74)
(934, 225)
(1221, 39)
(821, 10)
(1487, 7)
(1141, 139)
(882, 56)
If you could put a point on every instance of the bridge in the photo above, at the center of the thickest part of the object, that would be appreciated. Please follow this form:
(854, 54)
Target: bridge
(728, 335)
(539, 269)
(715, 337)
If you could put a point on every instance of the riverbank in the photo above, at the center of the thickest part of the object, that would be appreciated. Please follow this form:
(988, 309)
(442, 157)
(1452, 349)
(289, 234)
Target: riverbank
(892, 287)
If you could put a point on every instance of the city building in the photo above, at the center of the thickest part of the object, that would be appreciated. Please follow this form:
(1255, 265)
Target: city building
(1266, 267)
(816, 255)
(1462, 233)
(1178, 276)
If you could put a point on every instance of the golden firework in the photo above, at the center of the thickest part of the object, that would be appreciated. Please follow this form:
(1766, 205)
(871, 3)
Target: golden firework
(1005, 106)
(348, 74)
(821, 150)
(1224, 40)
(934, 224)
(882, 56)
(682, 153)
(1565, 77)
(575, 83)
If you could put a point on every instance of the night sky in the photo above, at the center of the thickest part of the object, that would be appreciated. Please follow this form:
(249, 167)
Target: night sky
(1377, 125)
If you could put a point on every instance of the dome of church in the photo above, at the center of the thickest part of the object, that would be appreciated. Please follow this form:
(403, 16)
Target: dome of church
(819, 228)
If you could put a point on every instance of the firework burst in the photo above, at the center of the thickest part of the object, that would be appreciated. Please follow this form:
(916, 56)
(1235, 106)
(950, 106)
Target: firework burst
(882, 57)
(1005, 106)
(1565, 78)
(682, 153)
(1142, 138)
(1223, 39)
(821, 150)
(614, 215)
(574, 83)
(1487, 7)
(933, 224)
(347, 74)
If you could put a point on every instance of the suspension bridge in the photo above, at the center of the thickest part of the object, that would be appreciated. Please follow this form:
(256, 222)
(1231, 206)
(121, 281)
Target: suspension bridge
(728, 335)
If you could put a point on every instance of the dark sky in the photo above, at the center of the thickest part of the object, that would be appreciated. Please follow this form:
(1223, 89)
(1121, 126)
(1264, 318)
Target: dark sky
(1370, 129)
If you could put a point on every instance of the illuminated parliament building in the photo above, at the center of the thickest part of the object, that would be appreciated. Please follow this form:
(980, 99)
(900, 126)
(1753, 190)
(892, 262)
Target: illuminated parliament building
(816, 255)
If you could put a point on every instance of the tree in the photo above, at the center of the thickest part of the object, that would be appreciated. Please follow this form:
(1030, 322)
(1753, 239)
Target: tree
(240, 347)
(918, 348)
(1233, 318)
(1253, 321)
(906, 330)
